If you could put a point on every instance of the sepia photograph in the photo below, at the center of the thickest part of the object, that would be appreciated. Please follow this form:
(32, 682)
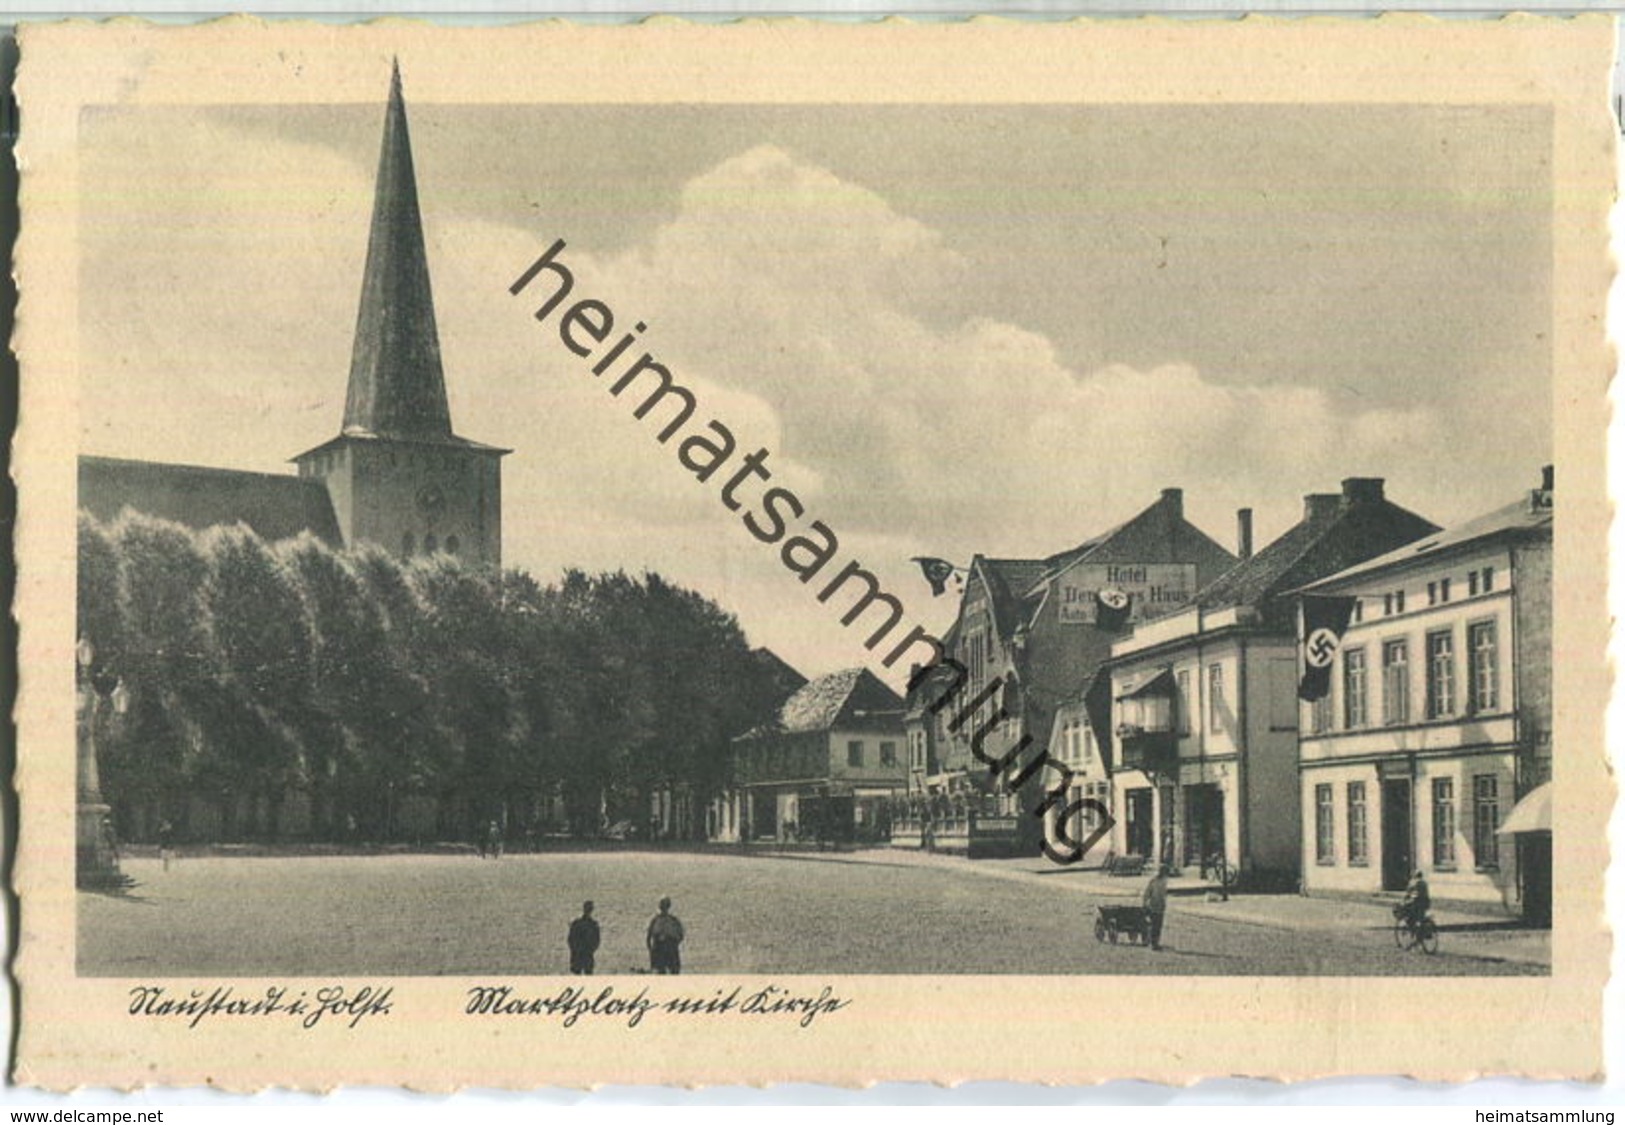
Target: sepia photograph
(789, 540)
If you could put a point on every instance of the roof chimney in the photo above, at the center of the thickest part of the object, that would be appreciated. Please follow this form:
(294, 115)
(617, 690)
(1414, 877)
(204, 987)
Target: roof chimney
(1540, 499)
(1321, 505)
(1244, 533)
(1174, 500)
(1362, 490)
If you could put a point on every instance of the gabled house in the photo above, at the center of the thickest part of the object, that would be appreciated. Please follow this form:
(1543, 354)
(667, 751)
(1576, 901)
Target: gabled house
(825, 770)
(1204, 700)
(1031, 635)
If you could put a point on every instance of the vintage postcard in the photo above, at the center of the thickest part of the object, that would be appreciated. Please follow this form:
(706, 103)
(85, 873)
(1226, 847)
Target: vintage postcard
(780, 551)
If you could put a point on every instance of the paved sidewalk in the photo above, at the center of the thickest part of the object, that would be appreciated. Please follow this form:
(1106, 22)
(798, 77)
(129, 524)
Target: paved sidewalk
(1460, 932)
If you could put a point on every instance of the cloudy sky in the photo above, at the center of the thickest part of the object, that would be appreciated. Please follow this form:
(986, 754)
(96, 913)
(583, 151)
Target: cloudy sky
(959, 329)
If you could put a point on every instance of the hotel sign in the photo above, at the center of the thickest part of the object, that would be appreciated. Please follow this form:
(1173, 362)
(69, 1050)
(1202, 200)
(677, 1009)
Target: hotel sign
(1153, 589)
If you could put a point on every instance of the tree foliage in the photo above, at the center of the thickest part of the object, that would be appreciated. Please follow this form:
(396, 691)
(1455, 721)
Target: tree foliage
(392, 699)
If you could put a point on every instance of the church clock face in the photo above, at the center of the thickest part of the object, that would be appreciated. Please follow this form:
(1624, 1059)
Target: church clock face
(430, 498)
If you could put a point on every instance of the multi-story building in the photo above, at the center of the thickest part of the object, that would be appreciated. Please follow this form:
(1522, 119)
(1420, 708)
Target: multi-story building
(1205, 699)
(1031, 635)
(827, 769)
(1439, 717)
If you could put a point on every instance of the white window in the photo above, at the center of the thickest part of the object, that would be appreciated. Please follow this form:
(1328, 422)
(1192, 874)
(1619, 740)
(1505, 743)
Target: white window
(1325, 827)
(1441, 674)
(1396, 682)
(1444, 822)
(1484, 688)
(1359, 856)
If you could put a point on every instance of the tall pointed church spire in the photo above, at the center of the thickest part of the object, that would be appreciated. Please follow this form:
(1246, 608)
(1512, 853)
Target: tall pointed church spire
(397, 385)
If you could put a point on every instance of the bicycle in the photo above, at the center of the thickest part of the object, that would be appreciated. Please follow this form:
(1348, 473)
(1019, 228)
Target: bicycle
(1220, 870)
(1411, 934)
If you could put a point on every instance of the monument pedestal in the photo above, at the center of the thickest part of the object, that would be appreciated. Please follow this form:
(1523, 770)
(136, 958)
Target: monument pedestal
(97, 858)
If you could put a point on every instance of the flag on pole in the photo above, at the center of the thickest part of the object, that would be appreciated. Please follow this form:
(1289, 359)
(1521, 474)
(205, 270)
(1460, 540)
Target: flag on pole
(1324, 620)
(1112, 607)
(937, 572)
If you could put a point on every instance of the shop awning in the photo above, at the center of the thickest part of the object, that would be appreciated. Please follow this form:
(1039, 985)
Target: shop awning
(1532, 814)
(1162, 685)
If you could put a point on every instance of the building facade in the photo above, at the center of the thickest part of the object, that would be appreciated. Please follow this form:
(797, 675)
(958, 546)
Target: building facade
(396, 475)
(1439, 717)
(827, 770)
(1032, 636)
(1205, 708)
(1206, 727)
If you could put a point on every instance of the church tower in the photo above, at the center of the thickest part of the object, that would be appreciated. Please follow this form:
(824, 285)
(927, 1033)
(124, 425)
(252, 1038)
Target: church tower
(396, 473)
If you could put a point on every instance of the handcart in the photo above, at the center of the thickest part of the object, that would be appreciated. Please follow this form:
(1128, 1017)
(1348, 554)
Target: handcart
(1132, 923)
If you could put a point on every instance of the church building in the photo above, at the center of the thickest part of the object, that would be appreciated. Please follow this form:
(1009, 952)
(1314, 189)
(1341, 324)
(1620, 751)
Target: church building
(396, 474)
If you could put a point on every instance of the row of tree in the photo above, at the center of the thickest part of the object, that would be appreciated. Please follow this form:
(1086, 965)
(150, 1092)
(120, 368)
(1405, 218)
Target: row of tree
(362, 690)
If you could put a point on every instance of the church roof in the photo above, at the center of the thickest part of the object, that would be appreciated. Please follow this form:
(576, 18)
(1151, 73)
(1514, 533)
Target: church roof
(458, 442)
(273, 506)
(397, 386)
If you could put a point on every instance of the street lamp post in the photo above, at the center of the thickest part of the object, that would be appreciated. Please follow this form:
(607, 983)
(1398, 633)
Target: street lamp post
(97, 856)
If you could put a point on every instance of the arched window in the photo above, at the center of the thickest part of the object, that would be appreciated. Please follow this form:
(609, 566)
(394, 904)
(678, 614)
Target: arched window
(452, 544)
(408, 544)
(430, 544)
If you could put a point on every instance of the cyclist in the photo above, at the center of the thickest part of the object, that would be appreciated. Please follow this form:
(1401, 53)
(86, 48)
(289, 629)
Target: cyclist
(1415, 905)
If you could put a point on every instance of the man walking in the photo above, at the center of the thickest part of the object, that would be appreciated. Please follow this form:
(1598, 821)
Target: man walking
(664, 936)
(583, 942)
(1155, 901)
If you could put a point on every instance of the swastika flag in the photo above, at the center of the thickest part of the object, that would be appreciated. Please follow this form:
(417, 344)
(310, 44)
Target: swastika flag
(1324, 622)
(937, 572)
(1112, 607)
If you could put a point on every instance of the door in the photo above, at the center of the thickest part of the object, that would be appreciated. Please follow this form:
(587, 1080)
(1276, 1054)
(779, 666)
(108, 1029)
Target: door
(1396, 834)
(1204, 823)
(765, 814)
(1535, 873)
(1138, 805)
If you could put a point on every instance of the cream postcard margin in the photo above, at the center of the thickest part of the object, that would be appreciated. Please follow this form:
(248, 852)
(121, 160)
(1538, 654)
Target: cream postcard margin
(77, 1031)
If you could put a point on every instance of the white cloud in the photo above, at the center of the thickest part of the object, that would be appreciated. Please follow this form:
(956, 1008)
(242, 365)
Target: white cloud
(778, 280)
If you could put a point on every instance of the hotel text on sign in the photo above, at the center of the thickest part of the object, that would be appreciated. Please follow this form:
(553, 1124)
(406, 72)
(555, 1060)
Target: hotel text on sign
(1153, 589)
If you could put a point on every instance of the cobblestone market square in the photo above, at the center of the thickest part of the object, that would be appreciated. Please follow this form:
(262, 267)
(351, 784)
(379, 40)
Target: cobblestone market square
(808, 913)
